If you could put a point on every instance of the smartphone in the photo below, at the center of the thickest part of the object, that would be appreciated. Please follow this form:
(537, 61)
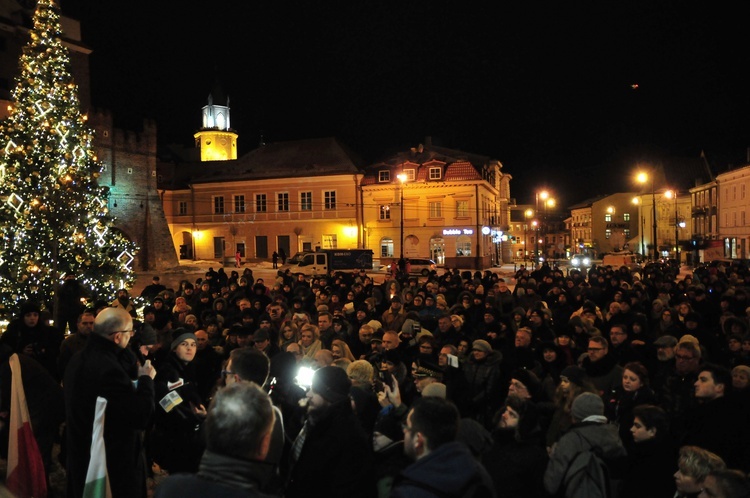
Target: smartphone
(386, 377)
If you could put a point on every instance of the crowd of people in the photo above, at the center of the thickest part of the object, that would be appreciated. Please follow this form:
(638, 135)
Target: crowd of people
(606, 383)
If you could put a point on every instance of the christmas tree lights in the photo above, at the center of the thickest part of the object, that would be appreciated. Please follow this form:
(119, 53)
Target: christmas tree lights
(53, 213)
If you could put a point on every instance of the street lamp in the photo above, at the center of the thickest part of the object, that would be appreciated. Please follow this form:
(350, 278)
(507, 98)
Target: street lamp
(547, 201)
(643, 178)
(402, 178)
(535, 224)
(637, 201)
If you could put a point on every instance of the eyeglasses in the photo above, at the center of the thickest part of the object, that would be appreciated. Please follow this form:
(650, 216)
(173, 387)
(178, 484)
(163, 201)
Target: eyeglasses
(122, 332)
(225, 373)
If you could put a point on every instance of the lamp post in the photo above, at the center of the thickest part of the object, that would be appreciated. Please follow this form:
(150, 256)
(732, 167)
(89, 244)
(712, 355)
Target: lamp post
(402, 178)
(643, 178)
(637, 202)
(527, 214)
(535, 224)
(672, 194)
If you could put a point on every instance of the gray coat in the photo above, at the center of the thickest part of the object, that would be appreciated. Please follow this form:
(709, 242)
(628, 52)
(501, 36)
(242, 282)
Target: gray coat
(602, 439)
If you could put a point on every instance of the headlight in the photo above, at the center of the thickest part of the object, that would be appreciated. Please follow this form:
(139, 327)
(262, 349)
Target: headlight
(586, 261)
(575, 262)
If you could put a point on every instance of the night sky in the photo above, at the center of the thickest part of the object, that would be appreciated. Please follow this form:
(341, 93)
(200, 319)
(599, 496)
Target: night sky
(546, 88)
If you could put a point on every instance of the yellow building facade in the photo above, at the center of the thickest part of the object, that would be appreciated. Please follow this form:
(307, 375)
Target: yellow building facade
(290, 196)
(437, 203)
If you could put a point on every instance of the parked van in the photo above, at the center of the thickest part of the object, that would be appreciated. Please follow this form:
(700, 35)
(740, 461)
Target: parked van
(619, 259)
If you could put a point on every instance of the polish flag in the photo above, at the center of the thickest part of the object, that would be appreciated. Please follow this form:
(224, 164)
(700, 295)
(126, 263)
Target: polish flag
(97, 479)
(25, 477)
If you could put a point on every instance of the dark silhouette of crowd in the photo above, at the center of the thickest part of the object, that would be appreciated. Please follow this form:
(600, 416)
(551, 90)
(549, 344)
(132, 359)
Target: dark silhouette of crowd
(610, 382)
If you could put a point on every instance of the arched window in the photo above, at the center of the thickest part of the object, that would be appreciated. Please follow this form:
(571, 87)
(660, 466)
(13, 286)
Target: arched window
(463, 246)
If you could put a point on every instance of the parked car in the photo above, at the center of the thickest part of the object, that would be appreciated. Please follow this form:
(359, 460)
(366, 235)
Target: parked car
(419, 266)
(580, 261)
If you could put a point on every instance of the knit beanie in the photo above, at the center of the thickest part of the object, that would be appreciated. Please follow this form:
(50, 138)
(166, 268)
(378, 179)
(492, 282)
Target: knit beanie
(528, 379)
(586, 405)
(181, 335)
(574, 374)
(332, 384)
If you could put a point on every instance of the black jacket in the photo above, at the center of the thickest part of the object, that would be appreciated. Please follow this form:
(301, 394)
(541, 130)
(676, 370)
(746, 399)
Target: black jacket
(101, 369)
(336, 459)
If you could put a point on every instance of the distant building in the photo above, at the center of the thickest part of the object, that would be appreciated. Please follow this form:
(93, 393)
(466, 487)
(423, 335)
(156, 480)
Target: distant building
(444, 204)
(297, 196)
(733, 189)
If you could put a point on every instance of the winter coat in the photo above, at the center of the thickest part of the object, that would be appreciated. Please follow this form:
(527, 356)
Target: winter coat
(516, 466)
(649, 470)
(605, 374)
(45, 342)
(177, 442)
(484, 386)
(449, 470)
(602, 439)
(336, 458)
(220, 476)
(101, 369)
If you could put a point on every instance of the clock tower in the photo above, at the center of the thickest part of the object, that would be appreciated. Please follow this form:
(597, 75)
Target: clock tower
(216, 139)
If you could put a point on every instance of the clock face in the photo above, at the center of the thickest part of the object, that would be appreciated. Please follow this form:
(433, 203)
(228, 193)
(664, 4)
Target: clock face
(223, 141)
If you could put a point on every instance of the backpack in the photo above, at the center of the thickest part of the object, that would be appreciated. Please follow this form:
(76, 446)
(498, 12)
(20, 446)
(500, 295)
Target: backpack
(587, 476)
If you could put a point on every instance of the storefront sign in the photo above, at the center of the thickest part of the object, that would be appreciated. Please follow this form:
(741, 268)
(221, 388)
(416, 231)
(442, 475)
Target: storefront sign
(458, 231)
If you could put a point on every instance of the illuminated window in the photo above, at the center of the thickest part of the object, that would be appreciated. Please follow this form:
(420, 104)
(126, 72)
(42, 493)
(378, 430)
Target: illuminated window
(463, 246)
(462, 209)
(385, 212)
(607, 233)
(386, 248)
(329, 199)
(219, 204)
(626, 216)
(305, 200)
(260, 203)
(607, 217)
(410, 175)
(436, 209)
(329, 241)
(282, 201)
(384, 175)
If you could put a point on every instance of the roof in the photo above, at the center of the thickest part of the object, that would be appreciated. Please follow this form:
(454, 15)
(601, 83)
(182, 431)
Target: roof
(458, 165)
(293, 159)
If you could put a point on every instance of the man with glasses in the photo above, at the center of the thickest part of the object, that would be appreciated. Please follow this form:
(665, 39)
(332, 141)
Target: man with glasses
(676, 394)
(622, 350)
(430, 434)
(100, 371)
(601, 367)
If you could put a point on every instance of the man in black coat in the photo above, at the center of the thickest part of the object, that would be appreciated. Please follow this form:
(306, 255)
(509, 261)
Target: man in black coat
(107, 368)
(332, 455)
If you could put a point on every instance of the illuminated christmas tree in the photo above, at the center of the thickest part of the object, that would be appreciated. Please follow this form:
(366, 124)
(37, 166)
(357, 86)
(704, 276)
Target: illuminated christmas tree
(53, 213)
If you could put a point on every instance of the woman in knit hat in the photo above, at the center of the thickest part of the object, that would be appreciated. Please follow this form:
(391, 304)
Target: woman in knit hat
(176, 443)
(573, 381)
